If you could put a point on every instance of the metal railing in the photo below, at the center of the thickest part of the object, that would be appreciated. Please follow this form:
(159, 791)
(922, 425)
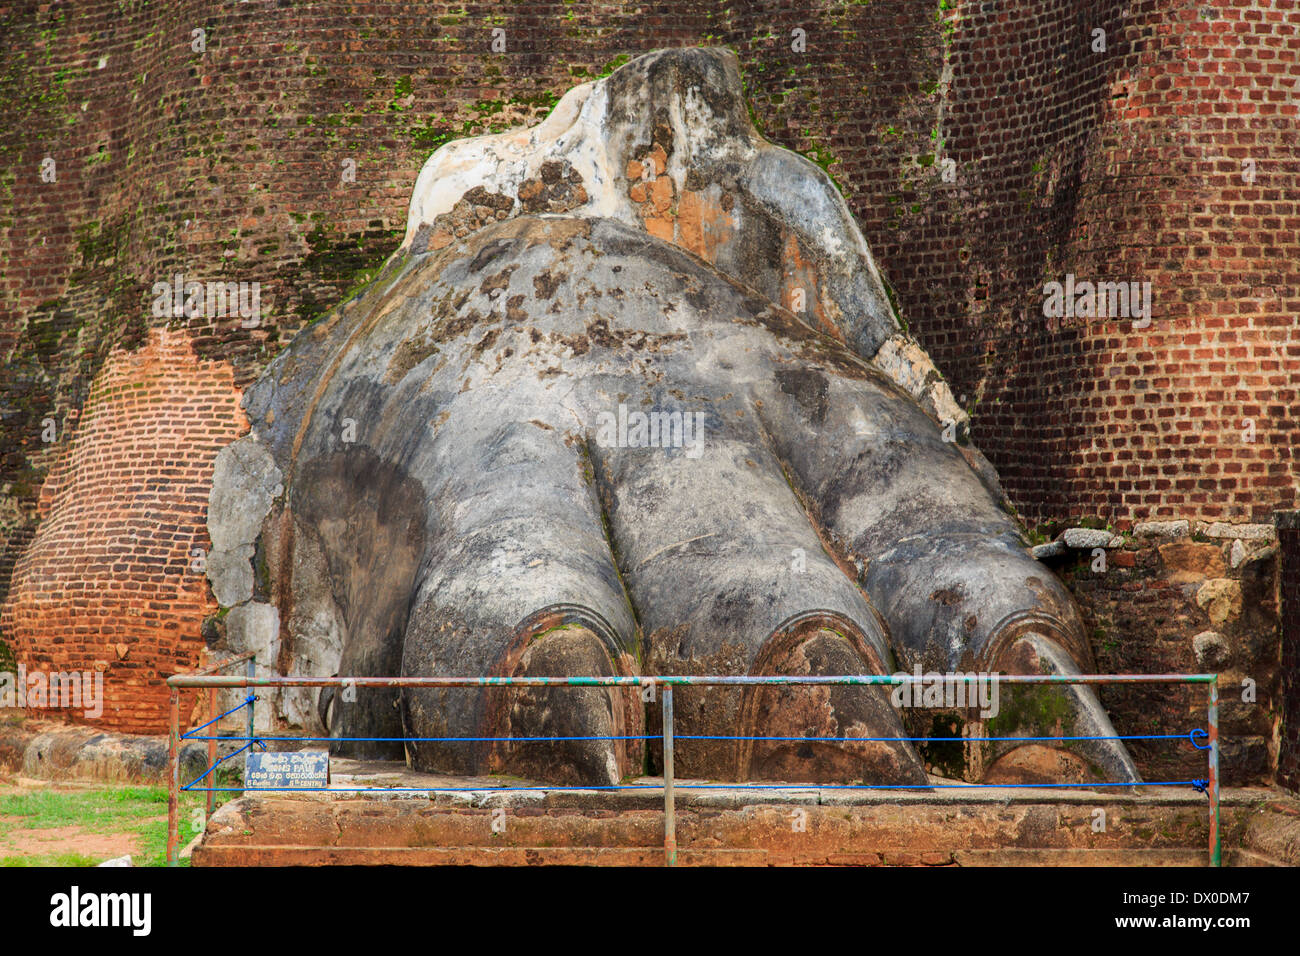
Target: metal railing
(211, 682)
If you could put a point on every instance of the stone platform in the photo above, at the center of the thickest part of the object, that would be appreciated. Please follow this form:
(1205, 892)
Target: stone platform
(737, 827)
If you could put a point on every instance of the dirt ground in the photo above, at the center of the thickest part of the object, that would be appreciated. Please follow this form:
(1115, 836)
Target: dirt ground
(44, 823)
(54, 841)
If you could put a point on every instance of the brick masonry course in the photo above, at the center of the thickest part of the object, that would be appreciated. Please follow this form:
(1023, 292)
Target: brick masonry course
(1171, 158)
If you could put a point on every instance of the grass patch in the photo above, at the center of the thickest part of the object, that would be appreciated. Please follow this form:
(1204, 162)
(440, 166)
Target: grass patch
(55, 859)
(137, 811)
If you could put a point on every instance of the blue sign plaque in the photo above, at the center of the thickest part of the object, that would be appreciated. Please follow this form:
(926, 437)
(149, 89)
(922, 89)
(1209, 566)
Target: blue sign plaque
(288, 770)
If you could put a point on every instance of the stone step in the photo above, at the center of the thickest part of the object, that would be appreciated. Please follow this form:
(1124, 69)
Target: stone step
(1015, 856)
(325, 829)
(919, 828)
(292, 855)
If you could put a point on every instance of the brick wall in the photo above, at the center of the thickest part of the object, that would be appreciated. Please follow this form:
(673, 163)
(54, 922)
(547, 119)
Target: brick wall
(1118, 165)
(1175, 599)
(109, 582)
(1123, 164)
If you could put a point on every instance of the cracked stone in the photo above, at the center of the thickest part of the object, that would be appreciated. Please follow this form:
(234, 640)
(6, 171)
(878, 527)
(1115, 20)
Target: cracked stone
(1211, 650)
(1085, 539)
(1221, 599)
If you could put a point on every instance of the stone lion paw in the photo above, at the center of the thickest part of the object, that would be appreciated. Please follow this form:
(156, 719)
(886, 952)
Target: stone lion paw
(631, 400)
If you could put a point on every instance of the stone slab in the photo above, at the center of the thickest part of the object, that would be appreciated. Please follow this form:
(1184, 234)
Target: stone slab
(730, 826)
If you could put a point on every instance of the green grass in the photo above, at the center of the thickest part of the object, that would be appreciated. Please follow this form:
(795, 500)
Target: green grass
(51, 859)
(140, 811)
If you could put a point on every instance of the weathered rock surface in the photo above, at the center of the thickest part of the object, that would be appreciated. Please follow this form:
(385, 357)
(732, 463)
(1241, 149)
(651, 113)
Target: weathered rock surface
(1247, 532)
(1211, 650)
(665, 144)
(1085, 539)
(722, 827)
(1160, 529)
(613, 409)
(49, 750)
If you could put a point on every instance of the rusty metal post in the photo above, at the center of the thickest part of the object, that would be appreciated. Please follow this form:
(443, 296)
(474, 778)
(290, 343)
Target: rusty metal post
(670, 818)
(173, 777)
(212, 751)
(1216, 844)
(252, 675)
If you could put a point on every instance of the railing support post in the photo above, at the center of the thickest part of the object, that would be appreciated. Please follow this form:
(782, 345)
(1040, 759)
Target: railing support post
(1216, 844)
(670, 820)
(252, 674)
(173, 777)
(212, 752)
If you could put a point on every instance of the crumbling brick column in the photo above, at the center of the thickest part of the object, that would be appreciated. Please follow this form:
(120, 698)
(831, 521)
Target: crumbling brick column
(109, 583)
